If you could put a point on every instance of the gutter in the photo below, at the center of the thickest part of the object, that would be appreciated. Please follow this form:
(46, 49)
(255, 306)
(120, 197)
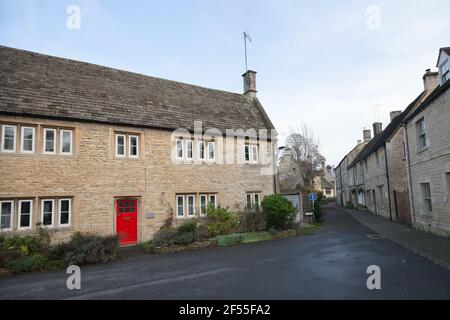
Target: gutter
(387, 180)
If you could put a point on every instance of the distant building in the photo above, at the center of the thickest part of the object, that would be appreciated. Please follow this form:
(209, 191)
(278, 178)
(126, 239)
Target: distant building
(326, 183)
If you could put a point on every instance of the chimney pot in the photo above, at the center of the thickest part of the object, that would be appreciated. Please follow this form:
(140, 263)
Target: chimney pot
(395, 114)
(250, 83)
(367, 135)
(430, 80)
(377, 128)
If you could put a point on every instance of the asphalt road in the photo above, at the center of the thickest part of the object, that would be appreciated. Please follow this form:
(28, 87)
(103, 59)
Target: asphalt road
(330, 264)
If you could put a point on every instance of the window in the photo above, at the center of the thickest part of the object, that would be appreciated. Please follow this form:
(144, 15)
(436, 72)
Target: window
(27, 140)
(203, 204)
(179, 149)
(6, 215)
(47, 209)
(66, 142)
(120, 145)
(9, 138)
(445, 71)
(65, 212)
(133, 144)
(211, 150)
(253, 200)
(254, 154)
(380, 190)
(212, 201)
(377, 158)
(201, 150)
(49, 141)
(247, 153)
(421, 137)
(328, 191)
(426, 197)
(191, 205)
(189, 151)
(180, 206)
(25, 214)
(365, 165)
(404, 150)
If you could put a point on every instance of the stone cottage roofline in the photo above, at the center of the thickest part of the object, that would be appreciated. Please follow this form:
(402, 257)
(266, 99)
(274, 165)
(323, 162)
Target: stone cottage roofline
(446, 50)
(379, 140)
(37, 85)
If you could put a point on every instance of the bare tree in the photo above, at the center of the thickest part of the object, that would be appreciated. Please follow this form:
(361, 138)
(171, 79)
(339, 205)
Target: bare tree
(305, 150)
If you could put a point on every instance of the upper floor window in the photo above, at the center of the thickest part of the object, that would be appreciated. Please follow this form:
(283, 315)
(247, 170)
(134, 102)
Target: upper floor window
(211, 153)
(251, 153)
(377, 158)
(201, 150)
(66, 142)
(123, 141)
(426, 197)
(420, 134)
(9, 134)
(49, 144)
(27, 139)
(445, 71)
(179, 149)
(133, 145)
(189, 149)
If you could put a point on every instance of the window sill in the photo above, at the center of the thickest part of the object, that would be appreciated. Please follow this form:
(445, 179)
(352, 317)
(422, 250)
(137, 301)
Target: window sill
(422, 150)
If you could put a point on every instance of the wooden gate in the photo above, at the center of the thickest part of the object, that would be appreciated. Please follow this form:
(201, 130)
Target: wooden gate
(402, 207)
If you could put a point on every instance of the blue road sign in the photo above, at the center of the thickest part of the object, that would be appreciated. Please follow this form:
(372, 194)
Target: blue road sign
(312, 196)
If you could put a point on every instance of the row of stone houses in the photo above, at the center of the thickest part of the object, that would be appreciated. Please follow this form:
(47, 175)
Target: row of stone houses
(403, 172)
(93, 149)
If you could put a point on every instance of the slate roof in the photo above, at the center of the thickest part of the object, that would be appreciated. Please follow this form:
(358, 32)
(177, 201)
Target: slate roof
(379, 140)
(326, 184)
(33, 84)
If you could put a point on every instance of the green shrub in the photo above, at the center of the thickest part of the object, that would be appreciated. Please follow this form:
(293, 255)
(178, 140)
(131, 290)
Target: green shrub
(202, 233)
(149, 246)
(279, 212)
(165, 237)
(251, 221)
(30, 263)
(189, 226)
(318, 213)
(255, 237)
(184, 238)
(350, 205)
(229, 239)
(84, 248)
(220, 221)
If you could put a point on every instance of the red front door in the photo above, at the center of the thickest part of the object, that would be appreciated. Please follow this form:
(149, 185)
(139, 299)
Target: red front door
(126, 221)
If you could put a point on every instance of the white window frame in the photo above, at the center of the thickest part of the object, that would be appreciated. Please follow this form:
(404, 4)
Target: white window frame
(254, 147)
(184, 207)
(3, 138)
(137, 146)
(179, 141)
(124, 136)
(19, 214)
(22, 137)
(203, 196)
(420, 124)
(252, 199)
(215, 200)
(190, 196)
(59, 212)
(200, 144)
(191, 142)
(53, 213)
(426, 197)
(211, 143)
(45, 141)
(11, 219)
(445, 70)
(247, 151)
(61, 140)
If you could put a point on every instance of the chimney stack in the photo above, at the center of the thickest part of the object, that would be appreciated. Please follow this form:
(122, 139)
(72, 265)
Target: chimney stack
(250, 83)
(367, 135)
(395, 114)
(430, 80)
(377, 128)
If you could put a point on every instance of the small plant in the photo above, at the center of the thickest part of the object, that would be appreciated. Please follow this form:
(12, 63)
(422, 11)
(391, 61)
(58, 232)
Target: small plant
(350, 205)
(202, 233)
(149, 246)
(279, 212)
(31, 263)
(184, 238)
(165, 237)
(188, 226)
(318, 213)
(252, 220)
(221, 221)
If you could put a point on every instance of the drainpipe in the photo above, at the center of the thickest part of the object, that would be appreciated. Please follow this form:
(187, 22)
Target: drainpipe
(387, 180)
(411, 195)
(340, 180)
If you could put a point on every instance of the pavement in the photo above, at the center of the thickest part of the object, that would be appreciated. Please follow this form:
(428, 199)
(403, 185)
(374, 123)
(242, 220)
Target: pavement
(434, 248)
(330, 264)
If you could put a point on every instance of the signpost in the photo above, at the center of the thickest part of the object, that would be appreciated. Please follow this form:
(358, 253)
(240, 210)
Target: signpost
(313, 198)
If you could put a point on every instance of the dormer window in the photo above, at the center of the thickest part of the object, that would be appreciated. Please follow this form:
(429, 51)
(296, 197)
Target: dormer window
(445, 71)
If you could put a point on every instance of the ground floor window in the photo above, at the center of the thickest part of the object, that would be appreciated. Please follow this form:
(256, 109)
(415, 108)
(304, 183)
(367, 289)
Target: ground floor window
(186, 204)
(6, 215)
(253, 200)
(25, 214)
(64, 211)
(426, 197)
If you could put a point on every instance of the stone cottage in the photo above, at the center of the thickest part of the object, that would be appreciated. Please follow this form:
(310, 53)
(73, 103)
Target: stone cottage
(93, 149)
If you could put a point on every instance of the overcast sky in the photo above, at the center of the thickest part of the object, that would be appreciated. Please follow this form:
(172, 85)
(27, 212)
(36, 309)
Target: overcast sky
(336, 66)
